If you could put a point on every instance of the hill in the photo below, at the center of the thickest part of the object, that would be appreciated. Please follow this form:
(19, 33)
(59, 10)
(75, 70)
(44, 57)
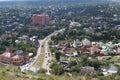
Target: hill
(48, 2)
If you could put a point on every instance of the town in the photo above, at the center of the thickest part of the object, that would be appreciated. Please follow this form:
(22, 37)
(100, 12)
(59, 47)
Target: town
(69, 42)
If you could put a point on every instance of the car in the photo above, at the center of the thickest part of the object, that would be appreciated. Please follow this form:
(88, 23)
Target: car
(42, 45)
(48, 61)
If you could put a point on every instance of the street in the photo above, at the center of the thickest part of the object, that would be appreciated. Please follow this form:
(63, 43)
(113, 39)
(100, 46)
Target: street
(44, 46)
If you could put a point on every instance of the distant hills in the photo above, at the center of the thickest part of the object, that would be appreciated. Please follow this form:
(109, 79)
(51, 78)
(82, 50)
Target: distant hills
(48, 2)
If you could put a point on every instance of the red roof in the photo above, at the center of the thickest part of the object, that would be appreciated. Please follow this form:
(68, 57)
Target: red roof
(94, 48)
(8, 54)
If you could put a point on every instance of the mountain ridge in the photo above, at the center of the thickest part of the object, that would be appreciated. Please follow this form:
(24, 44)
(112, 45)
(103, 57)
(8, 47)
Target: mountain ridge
(49, 2)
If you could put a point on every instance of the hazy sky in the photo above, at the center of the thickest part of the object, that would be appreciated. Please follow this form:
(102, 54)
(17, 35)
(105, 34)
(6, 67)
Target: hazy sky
(20, 0)
(31, 0)
(15, 0)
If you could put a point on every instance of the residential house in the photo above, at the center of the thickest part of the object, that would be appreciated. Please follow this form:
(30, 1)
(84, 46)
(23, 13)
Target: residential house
(17, 41)
(6, 57)
(74, 24)
(25, 54)
(20, 58)
(76, 43)
(83, 49)
(109, 71)
(117, 27)
(64, 62)
(4, 36)
(17, 60)
(87, 70)
(36, 43)
(106, 50)
(67, 50)
(60, 46)
(94, 49)
(25, 39)
(86, 42)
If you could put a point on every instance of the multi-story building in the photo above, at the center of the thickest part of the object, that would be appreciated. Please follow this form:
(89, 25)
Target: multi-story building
(40, 19)
(17, 58)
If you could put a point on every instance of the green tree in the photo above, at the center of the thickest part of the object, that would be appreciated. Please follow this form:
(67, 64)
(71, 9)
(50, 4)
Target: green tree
(57, 69)
(95, 64)
(75, 68)
(5, 43)
(2, 49)
(57, 55)
(84, 59)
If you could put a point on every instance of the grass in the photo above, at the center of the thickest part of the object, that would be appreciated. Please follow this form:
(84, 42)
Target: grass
(42, 50)
(63, 58)
(39, 61)
(61, 77)
(115, 58)
(11, 73)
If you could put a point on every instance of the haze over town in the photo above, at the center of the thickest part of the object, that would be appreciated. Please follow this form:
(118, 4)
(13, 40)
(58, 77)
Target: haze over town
(59, 40)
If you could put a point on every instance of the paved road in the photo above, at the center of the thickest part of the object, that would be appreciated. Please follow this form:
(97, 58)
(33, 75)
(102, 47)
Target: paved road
(46, 48)
(33, 64)
(47, 57)
(47, 52)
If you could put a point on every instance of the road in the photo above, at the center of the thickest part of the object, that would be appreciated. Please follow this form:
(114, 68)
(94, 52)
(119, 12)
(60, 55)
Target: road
(47, 51)
(44, 44)
(47, 57)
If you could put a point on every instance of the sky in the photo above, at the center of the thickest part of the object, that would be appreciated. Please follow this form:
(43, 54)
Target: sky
(14, 0)
(31, 0)
(17, 0)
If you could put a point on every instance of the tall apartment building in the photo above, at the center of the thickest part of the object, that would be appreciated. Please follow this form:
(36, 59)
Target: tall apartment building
(40, 19)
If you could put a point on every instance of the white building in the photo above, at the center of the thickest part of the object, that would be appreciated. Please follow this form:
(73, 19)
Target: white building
(86, 42)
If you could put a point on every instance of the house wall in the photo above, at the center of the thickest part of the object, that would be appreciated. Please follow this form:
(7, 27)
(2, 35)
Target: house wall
(5, 60)
(18, 61)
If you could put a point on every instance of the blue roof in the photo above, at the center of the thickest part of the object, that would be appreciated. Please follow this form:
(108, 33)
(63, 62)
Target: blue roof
(113, 68)
(20, 52)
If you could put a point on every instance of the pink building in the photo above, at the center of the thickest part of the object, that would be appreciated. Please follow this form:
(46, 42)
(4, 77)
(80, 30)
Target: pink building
(83, 49)
(17, 60)
(40, 19)
(94, 50)
(6, 57)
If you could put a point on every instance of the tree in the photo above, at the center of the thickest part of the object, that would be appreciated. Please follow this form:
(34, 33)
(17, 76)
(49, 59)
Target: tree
(57, 69)
(13, 42)
(52, 50)
(43, 71)
(2, 49)
(5, 43)
(72, 63)
(51, 42)
(84, 60)
(75, 68)
(95, 64)
(57, 55)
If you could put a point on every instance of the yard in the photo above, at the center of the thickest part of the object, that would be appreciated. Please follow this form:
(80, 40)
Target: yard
(12, 73)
